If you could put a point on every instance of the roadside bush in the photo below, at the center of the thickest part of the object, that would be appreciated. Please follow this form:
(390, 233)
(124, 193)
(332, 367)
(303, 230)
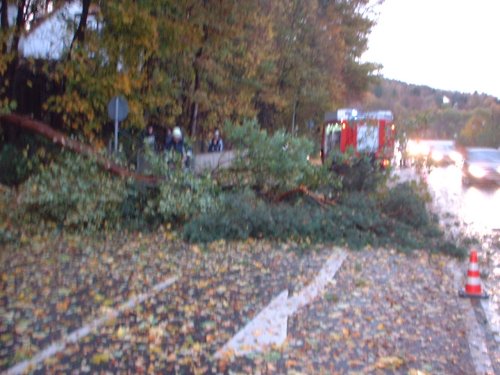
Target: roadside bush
(179, 196)
(238, 215)
(450, 248)
(14, 165)
(243, 215)
(406, 203)
(7, 232)
(7, 236)
(356, 221)
(273, 164)
(357, 172)
(72, 192)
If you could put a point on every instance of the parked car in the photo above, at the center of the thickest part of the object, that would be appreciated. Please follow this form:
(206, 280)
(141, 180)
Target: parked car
(481, 165)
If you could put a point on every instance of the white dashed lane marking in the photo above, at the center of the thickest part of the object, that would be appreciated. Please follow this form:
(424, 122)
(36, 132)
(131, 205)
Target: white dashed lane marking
(269, 327)
(80, 333)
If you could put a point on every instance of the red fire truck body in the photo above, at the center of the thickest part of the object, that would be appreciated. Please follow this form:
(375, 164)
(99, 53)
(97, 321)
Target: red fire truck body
(370, 133)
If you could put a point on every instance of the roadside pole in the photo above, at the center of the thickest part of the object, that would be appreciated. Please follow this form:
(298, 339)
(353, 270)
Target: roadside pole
(117, 111)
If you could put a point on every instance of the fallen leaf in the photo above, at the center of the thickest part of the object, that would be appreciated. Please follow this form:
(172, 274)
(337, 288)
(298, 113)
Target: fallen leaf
(417, 372)
(100, 358)
(391, 362)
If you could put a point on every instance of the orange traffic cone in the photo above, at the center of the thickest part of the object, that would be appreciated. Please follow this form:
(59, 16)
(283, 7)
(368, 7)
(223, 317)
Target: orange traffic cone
(473, 285)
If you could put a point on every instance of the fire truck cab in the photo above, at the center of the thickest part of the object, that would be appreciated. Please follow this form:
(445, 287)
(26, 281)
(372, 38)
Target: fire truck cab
(370, 133)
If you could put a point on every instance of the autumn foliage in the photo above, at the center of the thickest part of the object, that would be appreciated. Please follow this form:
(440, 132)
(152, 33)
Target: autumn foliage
(194, 64)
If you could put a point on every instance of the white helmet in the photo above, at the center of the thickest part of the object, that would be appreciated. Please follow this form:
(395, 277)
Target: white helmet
(177, 133)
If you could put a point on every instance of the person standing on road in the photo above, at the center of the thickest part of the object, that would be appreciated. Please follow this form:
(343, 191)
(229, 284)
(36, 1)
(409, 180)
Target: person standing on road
(216, 144)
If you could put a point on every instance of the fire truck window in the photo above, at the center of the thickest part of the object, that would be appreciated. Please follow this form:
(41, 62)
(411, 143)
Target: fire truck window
(367, 138)
(334, 140)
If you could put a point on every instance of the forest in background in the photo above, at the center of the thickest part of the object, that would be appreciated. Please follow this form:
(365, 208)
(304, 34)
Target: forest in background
(425, 112)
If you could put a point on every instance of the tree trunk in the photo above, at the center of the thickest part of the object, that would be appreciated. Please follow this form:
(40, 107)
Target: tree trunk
(20, 22)
(294, 115)
(82, 27)
(4, 22)
(195, 105)
(194, 119)
(12, 64)
(5, 15)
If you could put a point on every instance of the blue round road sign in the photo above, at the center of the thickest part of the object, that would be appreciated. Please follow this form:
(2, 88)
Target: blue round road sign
(118, 108)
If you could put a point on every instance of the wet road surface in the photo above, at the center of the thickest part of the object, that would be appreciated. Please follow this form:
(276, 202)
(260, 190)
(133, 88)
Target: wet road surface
(477, 207)
(473, 211)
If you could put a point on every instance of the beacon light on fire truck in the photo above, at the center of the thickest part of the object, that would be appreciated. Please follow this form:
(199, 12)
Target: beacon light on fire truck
(370, 133)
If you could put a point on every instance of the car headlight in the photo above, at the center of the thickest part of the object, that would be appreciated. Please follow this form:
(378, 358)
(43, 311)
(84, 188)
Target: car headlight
(412, 148)
(477, 171)
(424, 150)
(437, 156)
(456, 156)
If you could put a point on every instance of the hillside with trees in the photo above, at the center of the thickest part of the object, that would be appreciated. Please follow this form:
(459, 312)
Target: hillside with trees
(422, 111)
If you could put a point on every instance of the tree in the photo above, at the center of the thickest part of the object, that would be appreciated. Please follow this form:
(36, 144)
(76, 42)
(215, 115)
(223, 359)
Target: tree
(82, 26)
(223, 61)
(317, 49)
(105, 63)
(198, 63)
(482, 128)
(28, 11)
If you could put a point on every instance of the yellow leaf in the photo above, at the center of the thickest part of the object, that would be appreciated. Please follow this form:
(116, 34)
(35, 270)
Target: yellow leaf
(156, 349)
(196, 347)
(62, 306)
(345, 332)
(221, 289)
(99, 358)
(98, 298)
(417, 372)
(391, 362)
(335, 337)
(120, 332)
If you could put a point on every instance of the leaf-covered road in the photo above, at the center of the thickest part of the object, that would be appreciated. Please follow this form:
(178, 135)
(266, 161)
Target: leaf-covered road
(387, 312)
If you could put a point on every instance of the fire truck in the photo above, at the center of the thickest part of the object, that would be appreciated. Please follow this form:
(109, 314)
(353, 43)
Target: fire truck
(371, 133)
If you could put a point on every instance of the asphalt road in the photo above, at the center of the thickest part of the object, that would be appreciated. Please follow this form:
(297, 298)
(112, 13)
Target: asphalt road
(477, 207)
(474, 211)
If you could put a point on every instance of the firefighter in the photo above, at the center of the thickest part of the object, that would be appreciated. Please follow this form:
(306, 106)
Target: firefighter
(177, 146)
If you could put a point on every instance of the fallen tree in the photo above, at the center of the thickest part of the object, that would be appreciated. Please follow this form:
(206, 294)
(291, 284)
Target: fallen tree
(322, 201)
(61, 139)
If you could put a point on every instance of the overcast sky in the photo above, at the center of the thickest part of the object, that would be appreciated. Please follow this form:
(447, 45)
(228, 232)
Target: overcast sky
(445, 44)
